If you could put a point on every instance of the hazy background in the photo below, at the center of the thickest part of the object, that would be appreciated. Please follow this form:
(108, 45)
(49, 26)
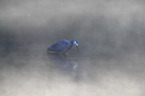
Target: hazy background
(111, 36)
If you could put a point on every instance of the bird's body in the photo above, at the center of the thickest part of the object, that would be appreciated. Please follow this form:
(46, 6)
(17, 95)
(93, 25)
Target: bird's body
(62, 46)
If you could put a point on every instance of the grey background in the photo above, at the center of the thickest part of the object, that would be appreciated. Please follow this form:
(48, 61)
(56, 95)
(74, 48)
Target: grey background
(111, 37)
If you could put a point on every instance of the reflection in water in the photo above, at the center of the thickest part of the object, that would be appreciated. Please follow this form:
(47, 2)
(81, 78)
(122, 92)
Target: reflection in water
(63, 61)
(39, 77)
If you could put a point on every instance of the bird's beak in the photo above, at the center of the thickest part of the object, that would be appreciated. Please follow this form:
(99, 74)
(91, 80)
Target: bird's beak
(76, 44)
(78, 49)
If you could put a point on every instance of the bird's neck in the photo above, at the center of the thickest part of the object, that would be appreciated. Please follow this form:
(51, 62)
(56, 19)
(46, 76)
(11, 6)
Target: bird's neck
(71, 44)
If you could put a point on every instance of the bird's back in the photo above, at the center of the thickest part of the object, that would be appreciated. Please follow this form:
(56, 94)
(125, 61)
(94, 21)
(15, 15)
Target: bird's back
(59, 47)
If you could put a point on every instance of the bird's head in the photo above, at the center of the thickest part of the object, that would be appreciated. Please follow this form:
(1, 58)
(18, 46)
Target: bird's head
(75, 42)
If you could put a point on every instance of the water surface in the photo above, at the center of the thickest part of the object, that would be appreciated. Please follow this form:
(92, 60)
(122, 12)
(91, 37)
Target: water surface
(79, 76)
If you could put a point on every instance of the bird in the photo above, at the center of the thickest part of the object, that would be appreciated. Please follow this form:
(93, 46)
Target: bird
(62, 46)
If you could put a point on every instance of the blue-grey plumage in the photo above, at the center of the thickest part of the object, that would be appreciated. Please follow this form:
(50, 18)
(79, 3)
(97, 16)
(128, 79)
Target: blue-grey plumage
(62, 46)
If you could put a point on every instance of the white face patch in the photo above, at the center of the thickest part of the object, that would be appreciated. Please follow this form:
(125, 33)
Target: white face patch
(75, 43)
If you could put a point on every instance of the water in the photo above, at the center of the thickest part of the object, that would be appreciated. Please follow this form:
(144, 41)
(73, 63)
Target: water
(72, 76)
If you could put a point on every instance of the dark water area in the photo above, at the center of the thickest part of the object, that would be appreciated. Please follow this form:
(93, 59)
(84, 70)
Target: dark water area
(111, 58)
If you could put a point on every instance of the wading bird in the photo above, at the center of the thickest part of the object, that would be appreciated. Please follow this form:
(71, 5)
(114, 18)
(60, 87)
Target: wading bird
(62, 46)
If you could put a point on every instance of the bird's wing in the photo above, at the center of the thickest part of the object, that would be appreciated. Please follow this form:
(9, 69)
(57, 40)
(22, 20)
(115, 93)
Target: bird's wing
(59, 46)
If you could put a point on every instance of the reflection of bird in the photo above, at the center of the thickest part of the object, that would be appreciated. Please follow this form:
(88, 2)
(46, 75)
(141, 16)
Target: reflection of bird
(62, 46)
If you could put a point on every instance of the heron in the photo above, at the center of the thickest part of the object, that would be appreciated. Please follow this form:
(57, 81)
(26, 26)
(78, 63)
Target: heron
(62, 46)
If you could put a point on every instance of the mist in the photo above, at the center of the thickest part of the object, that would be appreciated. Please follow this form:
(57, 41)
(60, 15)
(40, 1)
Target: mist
(111, 37)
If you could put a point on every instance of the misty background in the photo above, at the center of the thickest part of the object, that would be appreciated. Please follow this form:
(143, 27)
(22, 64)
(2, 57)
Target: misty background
(111, 36)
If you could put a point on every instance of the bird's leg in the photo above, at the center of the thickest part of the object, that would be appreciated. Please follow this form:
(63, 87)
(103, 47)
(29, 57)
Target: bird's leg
(50, 52)
(65, 54)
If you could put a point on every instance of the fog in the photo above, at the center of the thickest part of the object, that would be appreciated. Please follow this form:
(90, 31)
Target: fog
(111, 36)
